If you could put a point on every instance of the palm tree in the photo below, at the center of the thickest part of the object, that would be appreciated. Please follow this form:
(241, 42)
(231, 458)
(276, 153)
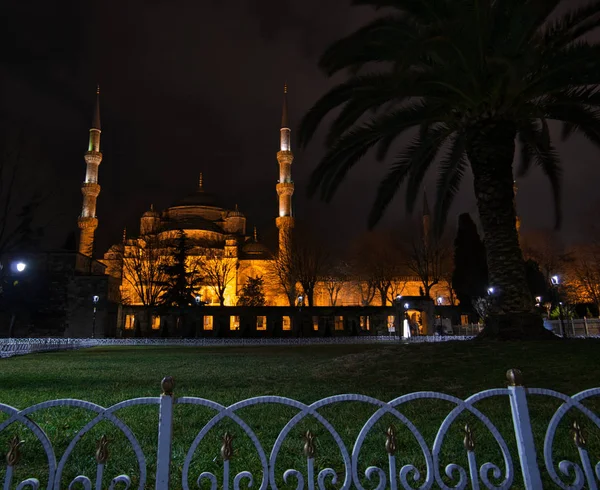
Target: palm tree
(466, 79)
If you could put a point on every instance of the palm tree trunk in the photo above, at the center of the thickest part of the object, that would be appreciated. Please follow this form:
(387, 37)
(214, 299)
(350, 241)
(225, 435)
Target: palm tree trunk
(491, 149)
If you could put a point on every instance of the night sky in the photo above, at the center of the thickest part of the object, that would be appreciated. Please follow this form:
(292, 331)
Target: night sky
(193, 86)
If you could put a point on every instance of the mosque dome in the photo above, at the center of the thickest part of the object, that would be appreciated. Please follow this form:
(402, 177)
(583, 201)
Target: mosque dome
(255, 250)
(199, 198)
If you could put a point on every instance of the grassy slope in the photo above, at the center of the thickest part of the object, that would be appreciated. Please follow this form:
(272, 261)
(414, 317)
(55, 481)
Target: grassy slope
(226, 375)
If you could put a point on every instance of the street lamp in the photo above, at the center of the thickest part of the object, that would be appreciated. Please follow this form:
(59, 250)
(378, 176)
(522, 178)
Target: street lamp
(490, 291)
(300, 301)
(555, 280)
(95, 299)
(198, 300)
(440, 300)
(19, 267)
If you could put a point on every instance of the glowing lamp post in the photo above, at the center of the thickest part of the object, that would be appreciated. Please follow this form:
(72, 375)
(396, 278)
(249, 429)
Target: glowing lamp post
(20, 268)
(555, 280)
(95, 300)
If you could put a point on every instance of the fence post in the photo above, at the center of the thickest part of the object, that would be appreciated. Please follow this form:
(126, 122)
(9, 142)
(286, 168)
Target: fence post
(585, 327)
(523, 432)
(165, 435)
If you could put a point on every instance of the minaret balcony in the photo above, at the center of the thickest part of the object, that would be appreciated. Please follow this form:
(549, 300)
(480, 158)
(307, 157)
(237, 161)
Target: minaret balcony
(285, 156)
(93, 157)
(285, 188)
(87, 222)
(90, 189)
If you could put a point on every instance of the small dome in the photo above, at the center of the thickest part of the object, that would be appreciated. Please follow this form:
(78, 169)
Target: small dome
(235, 213)
(256, 249)
(151, 213)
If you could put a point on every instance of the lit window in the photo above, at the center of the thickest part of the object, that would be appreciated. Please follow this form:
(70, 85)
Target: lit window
(261, 323)
(315, 320)
(365, 323)
(155, 322)
(208, 323)
(339, 322)
(286, 323)
(129, 322)
(391, 319)
(464, 319)
(234, 322)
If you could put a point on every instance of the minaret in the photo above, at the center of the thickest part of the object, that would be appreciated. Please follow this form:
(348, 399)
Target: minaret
(285, 185)
(90, 189)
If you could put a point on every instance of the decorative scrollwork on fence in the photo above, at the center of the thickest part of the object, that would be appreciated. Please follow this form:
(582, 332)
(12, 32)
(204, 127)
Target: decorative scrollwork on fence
(583, 473)
(17, 449)
(405, 476)
(394, 468)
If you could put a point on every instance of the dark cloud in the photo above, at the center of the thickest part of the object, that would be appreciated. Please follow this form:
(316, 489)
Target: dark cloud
(190, 86)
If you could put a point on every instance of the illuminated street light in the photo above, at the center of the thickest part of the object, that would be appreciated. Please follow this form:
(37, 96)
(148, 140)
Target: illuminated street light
(538, 299)
(490, 291)
(406, 306)
(555, 281)
(95, 300)
(440, 300)
(21, 266)
(198, 299)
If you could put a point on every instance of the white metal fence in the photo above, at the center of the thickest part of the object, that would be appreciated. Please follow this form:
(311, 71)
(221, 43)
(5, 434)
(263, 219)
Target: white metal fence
(396, 470)
(581, 327)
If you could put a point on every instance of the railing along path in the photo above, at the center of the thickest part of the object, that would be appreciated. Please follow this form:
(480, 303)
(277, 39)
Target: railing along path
(400, 471)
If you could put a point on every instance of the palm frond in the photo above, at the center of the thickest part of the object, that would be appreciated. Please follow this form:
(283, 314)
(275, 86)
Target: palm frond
(535, 148)
(339, 95)
(425, 11)
(452, 169)
(572, 25)
(380, 40)
(583, 119)
(393, 180)
(354, 144)
(432, 139)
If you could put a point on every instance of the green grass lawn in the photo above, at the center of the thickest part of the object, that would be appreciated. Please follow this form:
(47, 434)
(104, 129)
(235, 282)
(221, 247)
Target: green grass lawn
(229, 374)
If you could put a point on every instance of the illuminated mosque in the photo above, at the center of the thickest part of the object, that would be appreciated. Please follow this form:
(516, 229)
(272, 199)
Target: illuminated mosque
(208, 225)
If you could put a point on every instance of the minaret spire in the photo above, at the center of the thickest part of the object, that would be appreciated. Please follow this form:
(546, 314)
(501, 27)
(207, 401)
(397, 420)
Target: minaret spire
(285, 185)
(96, 120)
(88, 222)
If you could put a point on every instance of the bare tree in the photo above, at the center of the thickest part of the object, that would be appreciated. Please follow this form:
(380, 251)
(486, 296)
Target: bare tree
(397, 287)
(366, 290)
(334, 279)
(281, 272)
(428, 258)
(545, 248)
(310, 260)
(303, 262)
(584, 271)
(376, 263)
(143, 261)
(218, 270)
